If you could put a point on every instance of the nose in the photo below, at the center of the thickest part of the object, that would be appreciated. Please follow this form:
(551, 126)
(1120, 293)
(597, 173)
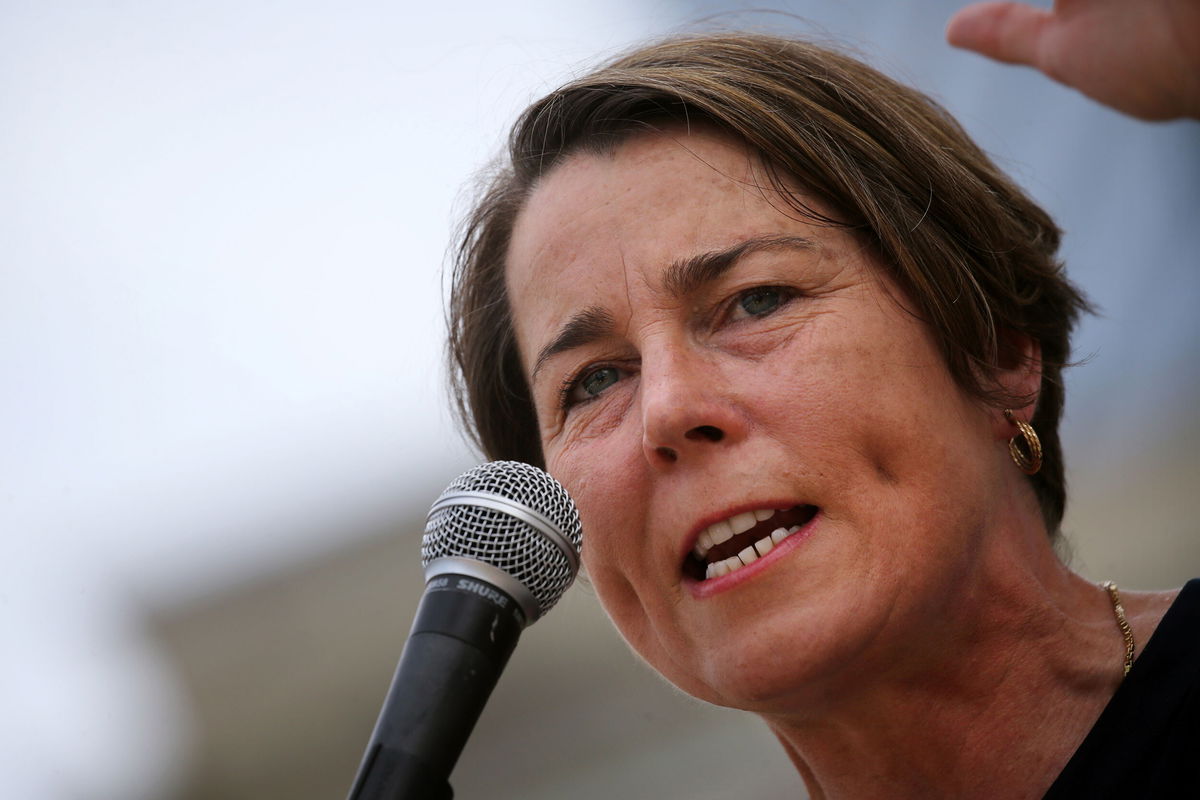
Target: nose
(688, 411)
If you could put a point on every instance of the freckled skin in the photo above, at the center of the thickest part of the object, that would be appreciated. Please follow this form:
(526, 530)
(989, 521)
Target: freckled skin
(838, 398)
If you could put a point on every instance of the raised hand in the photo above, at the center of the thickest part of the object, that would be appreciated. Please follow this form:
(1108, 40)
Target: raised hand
(1141, 57)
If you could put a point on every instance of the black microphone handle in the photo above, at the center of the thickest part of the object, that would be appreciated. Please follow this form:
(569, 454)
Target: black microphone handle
(464, 632)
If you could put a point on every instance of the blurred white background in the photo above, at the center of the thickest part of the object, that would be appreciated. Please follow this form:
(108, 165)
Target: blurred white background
(222, 227)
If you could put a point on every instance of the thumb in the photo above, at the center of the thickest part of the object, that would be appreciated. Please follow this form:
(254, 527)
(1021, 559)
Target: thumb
(1009, 32)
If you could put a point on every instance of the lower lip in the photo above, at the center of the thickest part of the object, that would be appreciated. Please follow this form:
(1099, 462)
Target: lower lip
(707, 588)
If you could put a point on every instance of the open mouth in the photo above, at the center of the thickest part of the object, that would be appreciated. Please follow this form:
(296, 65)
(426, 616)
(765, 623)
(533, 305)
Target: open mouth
(731, 544)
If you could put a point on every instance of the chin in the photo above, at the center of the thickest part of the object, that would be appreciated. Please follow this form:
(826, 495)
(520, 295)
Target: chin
(814, 648)
(761, 683)
(768, 669)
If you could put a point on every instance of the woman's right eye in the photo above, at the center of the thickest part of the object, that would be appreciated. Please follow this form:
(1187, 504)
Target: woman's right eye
(589, 385)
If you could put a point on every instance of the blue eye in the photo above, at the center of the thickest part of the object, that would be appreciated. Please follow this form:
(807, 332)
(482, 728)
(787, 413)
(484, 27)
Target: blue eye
(588, 386)
(597, 381)
(761, 301)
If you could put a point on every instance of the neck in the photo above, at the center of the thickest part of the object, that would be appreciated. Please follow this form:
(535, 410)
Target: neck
(990, 700)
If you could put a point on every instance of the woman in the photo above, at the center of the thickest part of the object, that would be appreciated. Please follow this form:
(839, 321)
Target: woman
(782, 331)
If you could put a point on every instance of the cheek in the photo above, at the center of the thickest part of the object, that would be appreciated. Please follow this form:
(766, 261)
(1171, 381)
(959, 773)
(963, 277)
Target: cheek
(875, 405)
(616, 594)
(606, 478)
(611, 510)
(915, 456)
(607, 560)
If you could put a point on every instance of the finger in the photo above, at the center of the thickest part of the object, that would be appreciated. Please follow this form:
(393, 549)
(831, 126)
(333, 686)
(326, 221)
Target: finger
(1009, 32)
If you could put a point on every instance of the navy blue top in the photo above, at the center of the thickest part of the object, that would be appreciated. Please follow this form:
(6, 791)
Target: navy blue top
(1146, 742)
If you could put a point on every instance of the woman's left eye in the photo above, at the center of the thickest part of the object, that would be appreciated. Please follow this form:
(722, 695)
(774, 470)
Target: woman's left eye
(760, 301)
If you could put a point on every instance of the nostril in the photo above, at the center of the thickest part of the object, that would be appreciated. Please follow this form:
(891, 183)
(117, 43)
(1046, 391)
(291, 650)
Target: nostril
(667, 453)
(709, 432)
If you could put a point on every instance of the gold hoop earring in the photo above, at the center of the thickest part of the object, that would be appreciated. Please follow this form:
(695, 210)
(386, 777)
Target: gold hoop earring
(1030, 462)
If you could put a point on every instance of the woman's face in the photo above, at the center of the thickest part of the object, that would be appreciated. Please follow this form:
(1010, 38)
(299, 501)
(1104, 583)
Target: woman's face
(697, 353)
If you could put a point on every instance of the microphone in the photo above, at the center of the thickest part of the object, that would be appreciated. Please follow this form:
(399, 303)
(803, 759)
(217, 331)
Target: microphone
(501, 546)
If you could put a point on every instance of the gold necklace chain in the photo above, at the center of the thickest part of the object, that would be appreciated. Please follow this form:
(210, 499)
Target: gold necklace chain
(1119, 610)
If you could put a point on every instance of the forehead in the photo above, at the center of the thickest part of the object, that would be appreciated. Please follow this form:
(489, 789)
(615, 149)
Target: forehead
(627, 199)
(604, 229)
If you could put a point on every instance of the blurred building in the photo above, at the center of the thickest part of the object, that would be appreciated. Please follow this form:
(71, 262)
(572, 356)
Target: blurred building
(286, 676)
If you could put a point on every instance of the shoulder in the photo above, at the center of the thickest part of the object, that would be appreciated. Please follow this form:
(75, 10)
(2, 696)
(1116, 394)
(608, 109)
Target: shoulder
(1168, 623)
(1145, 610)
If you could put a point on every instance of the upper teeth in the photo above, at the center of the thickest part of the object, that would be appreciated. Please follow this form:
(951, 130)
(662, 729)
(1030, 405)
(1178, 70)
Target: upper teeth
(725, 530)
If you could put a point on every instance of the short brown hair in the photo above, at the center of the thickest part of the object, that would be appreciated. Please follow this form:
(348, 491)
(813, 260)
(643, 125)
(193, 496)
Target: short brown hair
(976, 256)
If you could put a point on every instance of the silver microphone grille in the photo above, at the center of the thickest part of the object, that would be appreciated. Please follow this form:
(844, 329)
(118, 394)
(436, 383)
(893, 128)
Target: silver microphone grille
(514, 517)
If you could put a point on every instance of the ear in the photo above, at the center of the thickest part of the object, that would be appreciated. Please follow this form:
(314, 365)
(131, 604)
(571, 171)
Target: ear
(1018, 376)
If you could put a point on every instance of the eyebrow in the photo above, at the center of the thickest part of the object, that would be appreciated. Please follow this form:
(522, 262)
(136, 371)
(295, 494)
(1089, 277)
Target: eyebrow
(685, 277)
(681, 279)
(582, 328)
